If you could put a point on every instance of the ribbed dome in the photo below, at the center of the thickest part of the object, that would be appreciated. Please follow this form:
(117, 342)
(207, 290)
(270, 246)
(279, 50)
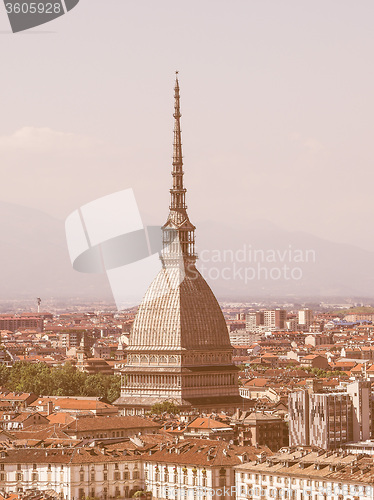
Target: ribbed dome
(176, 315)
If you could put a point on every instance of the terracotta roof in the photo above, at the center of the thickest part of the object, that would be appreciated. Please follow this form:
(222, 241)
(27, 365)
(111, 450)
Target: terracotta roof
(63, 456)
(73, 403)
(106, 423)
(257, 382)
(61, 418)
(205, 452)
(206, 423)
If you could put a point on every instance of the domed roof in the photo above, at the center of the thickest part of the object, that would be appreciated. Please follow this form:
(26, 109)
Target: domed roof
(179, 311)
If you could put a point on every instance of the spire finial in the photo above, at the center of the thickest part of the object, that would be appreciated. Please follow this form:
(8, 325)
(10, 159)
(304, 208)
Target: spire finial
(178, 191)
(178, 218)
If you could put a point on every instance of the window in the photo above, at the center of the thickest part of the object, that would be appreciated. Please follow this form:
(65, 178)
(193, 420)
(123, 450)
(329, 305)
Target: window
(2, 477)
(1, 466)
(19, 476)
(34, 476)
(135, 475)
(117, 476)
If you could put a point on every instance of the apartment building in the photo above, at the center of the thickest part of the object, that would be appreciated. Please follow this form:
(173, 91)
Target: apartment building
(330, 419)
(73, 473)
(262, 321)
(306, 318)
(196, 469)
(300, 474)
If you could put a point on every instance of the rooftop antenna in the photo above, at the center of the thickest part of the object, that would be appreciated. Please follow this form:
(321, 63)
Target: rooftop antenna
(39, 301)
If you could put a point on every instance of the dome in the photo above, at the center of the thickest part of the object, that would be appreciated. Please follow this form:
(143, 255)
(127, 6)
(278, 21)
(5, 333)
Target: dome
(179, 313)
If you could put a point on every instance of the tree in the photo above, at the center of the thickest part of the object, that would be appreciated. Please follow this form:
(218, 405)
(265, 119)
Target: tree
(65, 380)
(164, 407)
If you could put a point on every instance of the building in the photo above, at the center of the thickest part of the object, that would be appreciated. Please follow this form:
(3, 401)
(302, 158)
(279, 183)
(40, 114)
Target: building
(253, 320)
(87, 363)
(318, 339)
(360, 394)
(18, 399)
(196, 469)
(208, 428)
(306, 318)
(73, 473)
(275, 319)
(300, 474)
(315, 361)
(74, 405)
(21, 322)
(330, 419)
(113, 427)
(179, 348)
(266, 321)
(262, 429)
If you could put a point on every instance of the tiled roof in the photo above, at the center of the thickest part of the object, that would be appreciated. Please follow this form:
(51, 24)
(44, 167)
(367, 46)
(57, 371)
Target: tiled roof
(72, 403)
(206, 423)
(204, 452)
(106, 423)
(63, 456)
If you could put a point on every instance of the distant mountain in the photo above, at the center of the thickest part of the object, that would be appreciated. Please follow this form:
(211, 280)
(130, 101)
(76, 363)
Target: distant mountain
(321, 268)
(34, 261)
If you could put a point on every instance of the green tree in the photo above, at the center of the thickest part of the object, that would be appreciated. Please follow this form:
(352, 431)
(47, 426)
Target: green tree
(165, 406)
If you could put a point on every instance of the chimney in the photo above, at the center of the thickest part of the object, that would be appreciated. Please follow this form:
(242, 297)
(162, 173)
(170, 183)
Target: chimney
(49, 408)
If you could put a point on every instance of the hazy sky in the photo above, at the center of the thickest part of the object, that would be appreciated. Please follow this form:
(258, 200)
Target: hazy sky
(277, 110)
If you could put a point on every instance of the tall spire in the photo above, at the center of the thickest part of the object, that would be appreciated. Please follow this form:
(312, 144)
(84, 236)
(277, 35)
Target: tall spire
(178, 192)
(178, 224)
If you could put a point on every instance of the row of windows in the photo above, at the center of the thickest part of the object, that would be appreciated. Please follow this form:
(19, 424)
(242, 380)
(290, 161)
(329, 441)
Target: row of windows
(116, 476)
(299, 481)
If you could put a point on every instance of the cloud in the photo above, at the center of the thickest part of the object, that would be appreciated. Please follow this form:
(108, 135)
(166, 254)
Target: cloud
(43, 139)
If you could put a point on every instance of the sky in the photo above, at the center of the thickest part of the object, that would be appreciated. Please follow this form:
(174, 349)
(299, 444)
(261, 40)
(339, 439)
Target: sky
(276, 99)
